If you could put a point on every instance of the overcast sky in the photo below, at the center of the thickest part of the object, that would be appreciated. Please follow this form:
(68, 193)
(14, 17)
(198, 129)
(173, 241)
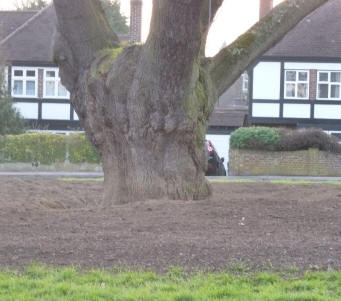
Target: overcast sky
(233, 18)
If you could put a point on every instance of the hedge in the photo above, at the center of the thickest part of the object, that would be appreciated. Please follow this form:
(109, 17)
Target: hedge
(45, 148)
(255, 138)
(80, 150)
(281, 139)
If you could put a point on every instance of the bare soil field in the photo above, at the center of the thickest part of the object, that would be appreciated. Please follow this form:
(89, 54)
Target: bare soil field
(258, 225)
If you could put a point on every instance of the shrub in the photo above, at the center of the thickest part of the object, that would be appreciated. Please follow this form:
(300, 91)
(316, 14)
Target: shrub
(303, 139)
(34, 147)
(263, 138)
(80, 150)
(47, 148)
(266, 138)
(11, 121)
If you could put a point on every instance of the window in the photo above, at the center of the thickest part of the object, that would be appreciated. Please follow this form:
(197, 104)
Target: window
(245, 79)
(24, 82)
(328, 85)
(296, 84)
(53, 87)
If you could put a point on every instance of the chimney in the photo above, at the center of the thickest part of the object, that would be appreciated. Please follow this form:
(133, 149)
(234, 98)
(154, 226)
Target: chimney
(265, 7)
(135, 21)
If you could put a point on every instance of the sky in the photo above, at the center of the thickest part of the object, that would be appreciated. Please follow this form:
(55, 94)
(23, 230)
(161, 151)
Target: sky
(232, 19)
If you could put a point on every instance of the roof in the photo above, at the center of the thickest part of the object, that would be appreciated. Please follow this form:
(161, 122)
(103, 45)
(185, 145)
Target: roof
(33, 40)
(231, 117)
(317, 35)
(11, 20)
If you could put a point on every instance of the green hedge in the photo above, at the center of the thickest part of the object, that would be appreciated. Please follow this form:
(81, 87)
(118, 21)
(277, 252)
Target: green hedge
(255, 138)
(81, 150)
(47, 148)
(40, 147)
(281, 139)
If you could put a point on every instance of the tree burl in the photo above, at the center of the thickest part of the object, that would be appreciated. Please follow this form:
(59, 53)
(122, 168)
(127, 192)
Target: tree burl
(145, 107)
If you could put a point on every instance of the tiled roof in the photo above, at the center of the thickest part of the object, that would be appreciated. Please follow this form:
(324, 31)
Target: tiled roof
(229, 117)
(317, 35)
(11, 20)
(33, 41)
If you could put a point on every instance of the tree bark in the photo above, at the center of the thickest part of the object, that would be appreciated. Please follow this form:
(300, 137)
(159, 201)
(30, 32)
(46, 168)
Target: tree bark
(145, 107)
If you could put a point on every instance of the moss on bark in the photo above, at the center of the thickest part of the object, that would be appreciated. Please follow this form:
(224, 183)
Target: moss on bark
(104, 60)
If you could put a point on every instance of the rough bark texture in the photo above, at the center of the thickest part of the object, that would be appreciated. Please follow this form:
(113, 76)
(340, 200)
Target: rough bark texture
(145, 107)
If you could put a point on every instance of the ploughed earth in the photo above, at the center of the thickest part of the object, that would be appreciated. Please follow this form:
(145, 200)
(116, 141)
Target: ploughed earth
(256, 225)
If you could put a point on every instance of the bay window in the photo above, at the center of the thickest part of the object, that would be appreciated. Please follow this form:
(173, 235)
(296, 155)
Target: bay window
(296, 84)
(24, 82)
(328, 85)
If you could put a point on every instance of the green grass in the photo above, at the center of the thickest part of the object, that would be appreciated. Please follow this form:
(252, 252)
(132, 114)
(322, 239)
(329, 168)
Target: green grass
(224, 180)
(284, 181)
(227, 180)
(72, 179)
(39, 283)
(303, 182)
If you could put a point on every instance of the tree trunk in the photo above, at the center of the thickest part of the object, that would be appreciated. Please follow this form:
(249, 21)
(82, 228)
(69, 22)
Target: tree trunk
(145, 108)
(155, 168)
(149, 133)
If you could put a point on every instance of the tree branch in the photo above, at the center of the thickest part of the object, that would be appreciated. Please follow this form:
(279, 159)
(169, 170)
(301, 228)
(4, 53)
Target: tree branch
(85, 29)
(232, 60)
(207, 16)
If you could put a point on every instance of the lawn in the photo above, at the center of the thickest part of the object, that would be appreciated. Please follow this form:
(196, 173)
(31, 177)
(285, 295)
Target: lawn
(39, 283)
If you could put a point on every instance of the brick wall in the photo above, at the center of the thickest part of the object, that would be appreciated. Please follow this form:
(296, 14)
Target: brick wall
(312, 162)
(135, 21)
(312, 84)
(40, 83)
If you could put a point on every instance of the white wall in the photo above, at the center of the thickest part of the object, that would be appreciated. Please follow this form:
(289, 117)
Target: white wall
(309, 66)
(265, 110)
(55, 111)
(327, 112)
(75, 116)
(267, 80)
(222, 145)
(296, 110)
(27, 110)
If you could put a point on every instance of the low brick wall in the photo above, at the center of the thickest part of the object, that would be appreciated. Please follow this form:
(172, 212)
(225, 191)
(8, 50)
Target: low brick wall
(312, 162)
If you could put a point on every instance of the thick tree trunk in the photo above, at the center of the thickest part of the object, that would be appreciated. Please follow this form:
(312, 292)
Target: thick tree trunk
(150, 134)
(152, 171)
(145, 108)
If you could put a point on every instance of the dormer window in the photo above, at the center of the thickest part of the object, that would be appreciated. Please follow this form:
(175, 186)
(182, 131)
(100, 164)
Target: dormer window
(329, 85)
(24, 82)
(53, 87)
(296, 84)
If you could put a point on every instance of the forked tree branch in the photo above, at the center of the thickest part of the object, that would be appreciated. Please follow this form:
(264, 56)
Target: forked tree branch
(232, 60)
(84, 28)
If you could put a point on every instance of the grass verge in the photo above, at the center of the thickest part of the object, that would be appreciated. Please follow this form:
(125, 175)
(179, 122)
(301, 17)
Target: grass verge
(284, 181)
(39, 283)
(224, 180)
(304, 182)
(73, 179)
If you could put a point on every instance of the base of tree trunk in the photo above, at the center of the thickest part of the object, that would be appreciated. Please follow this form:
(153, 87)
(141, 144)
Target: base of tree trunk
(143, 175)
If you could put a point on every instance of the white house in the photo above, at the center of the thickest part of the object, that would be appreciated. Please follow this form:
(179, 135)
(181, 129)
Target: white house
(297, 83)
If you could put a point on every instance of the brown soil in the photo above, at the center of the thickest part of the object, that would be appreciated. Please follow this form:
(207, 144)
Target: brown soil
(257, 224)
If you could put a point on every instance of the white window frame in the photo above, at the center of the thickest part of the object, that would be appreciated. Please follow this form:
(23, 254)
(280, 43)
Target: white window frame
(296, 82)
(329, 83)
(24, 79)
(57, 81)
(245, 82)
